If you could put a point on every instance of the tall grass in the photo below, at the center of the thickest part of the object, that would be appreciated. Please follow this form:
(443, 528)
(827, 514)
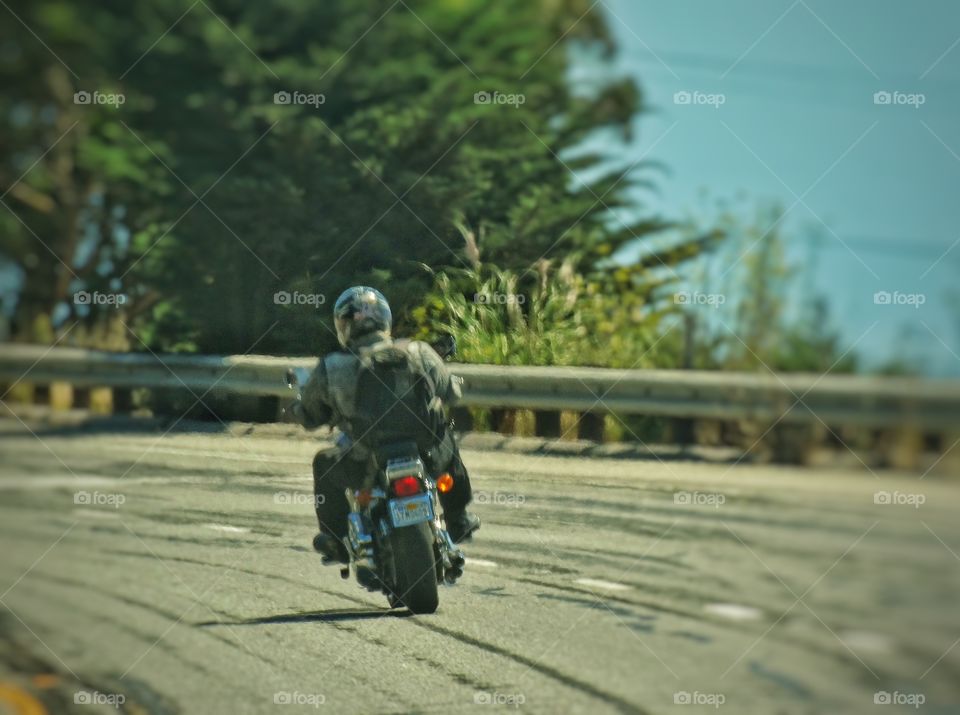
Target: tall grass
(551, 315)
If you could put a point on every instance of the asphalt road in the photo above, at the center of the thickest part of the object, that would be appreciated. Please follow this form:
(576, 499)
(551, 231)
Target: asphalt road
(172, 574)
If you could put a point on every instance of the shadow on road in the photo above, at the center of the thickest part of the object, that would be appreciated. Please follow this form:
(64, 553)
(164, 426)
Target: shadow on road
(331, 616)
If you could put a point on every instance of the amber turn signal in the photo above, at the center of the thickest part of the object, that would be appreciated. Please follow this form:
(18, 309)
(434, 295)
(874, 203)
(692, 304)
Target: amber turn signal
(444, 483)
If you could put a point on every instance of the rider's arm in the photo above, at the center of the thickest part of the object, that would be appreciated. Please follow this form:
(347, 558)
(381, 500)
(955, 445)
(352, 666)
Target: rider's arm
(447, 385)
(316, 405)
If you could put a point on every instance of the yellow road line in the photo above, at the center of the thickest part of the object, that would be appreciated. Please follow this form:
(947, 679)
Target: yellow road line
(22, 702)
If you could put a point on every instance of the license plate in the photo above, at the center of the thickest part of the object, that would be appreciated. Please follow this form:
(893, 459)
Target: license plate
(412, 510)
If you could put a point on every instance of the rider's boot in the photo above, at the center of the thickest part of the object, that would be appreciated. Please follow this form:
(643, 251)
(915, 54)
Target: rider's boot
(332, 549)
(461, 525)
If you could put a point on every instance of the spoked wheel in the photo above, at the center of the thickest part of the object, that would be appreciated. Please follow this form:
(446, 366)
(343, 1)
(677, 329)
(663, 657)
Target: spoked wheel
(415, 569)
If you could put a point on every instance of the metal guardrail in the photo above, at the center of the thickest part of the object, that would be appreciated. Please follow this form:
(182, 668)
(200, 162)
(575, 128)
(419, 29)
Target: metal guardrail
(932, 405)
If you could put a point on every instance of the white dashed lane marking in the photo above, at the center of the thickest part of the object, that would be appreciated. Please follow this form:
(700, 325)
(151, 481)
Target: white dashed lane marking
(481, 562)
(733, 611)
(96, 513)
(228, 528)
(598, 583)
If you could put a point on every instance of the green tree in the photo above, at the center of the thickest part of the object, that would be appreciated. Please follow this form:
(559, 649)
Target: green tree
(72, 177)
(201, 197)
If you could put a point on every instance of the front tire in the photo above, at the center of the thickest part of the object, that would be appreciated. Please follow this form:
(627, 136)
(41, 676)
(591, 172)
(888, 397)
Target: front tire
(415, 568)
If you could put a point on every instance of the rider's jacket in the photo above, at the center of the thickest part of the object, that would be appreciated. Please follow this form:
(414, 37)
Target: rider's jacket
(329, 396)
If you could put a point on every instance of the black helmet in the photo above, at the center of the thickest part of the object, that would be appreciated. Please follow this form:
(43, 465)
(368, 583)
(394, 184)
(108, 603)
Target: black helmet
(359, 311)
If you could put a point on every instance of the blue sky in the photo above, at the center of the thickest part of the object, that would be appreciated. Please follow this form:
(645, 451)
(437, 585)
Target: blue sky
(878, 182)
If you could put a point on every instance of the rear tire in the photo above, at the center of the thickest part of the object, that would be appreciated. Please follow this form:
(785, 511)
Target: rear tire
(415, 567)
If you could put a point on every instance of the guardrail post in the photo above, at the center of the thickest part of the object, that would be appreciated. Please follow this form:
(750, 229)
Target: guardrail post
(503, 421)
(949, 448)
(61, 395)
(904, 448)
(18, 391)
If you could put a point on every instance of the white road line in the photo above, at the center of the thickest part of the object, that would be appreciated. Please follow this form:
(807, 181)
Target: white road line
(869, 641)
(96, 513)
(734, 611)
(228, 528)
(481, 562)
(597, 583)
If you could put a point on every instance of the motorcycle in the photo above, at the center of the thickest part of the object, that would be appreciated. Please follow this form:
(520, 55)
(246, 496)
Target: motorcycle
(396, 540)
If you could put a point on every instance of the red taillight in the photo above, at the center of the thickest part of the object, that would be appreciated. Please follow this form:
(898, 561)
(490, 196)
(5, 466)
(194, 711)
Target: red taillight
(406, 486)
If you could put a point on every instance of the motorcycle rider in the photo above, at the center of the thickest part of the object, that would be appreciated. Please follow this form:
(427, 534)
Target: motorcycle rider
(364, 321)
